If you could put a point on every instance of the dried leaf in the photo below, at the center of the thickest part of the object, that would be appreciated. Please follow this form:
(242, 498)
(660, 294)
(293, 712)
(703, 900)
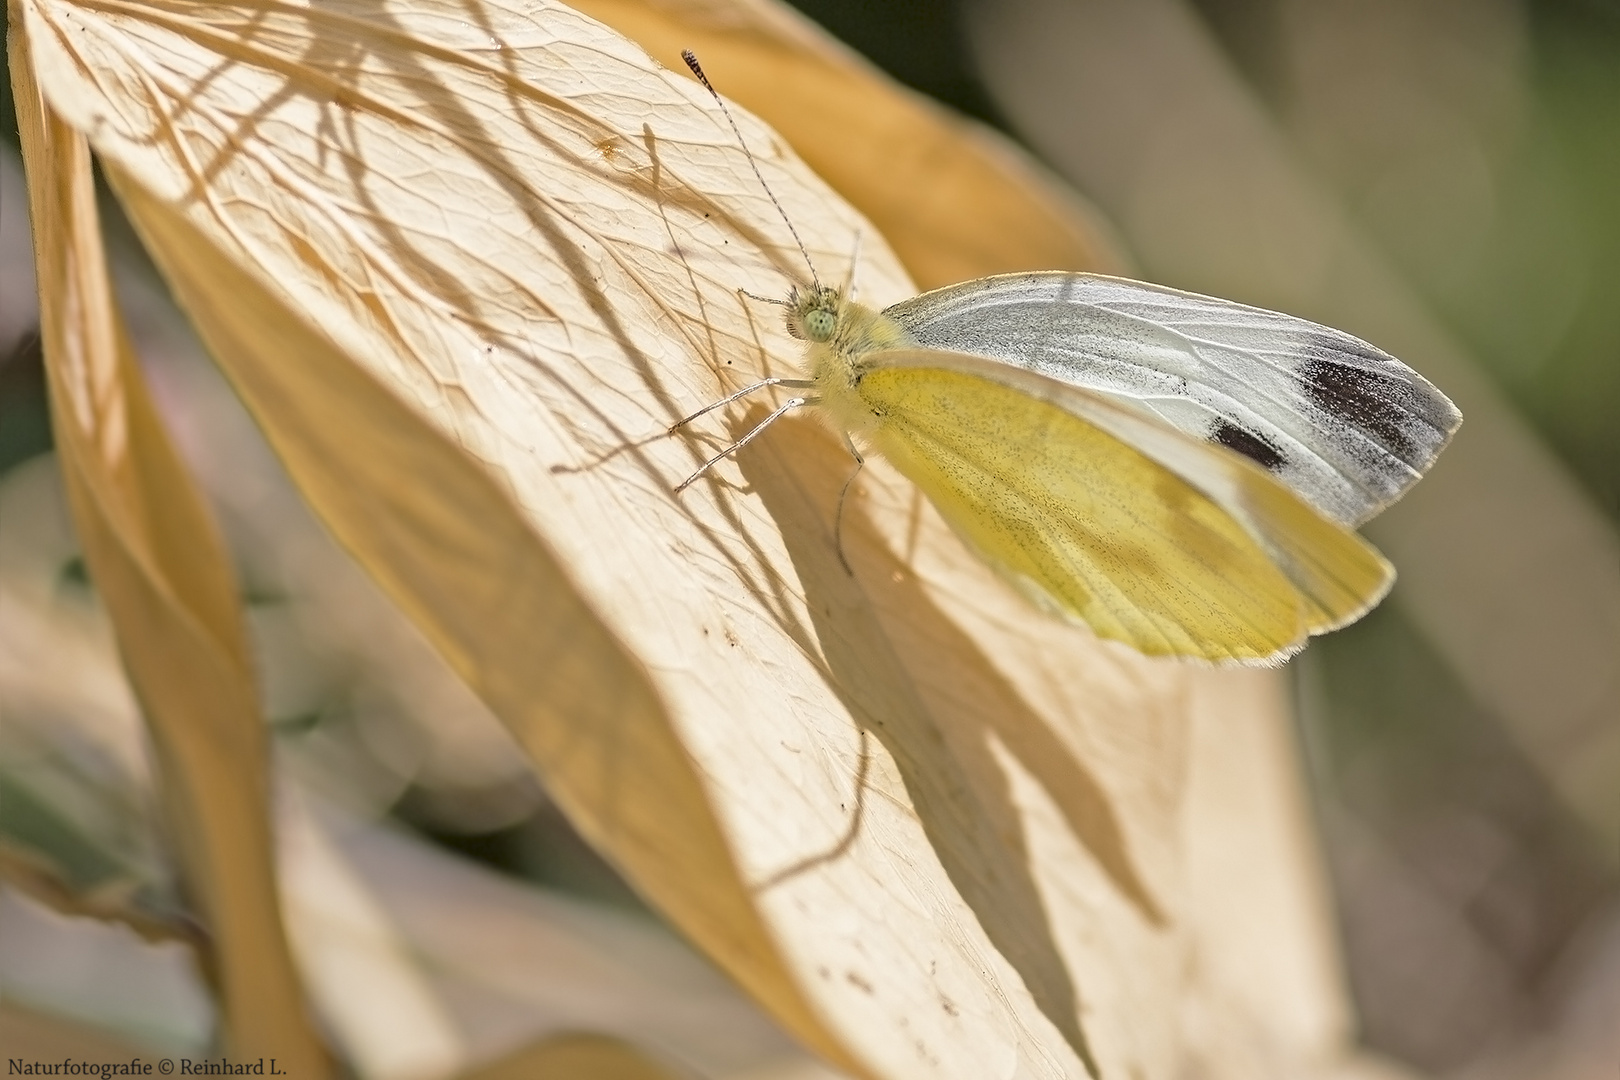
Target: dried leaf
(507, 963)
(585, 1057)
(36, 1036)
(465, 264)
(163, 573)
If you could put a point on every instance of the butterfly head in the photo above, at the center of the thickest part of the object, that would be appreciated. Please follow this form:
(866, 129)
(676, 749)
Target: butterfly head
(813, 312)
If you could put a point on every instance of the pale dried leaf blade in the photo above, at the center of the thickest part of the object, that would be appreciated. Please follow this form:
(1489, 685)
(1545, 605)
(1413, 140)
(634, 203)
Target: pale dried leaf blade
(162, 571)
(465, 265)
(449, 546)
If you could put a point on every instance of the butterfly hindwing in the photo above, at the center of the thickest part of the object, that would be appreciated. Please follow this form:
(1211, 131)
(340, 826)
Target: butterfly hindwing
(1175, 548)
(1346, 426)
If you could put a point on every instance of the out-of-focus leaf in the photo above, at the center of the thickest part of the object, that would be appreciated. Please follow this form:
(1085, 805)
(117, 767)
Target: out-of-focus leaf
(955, 199)
(76, 821)
(363, 977)
(32, 1035)
(465, 264)
(509, 962)
(587, 1057)
(36, 875)
(95, 970)
(163, 573)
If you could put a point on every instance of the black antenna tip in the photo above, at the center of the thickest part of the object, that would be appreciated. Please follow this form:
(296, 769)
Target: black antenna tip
(691, 61)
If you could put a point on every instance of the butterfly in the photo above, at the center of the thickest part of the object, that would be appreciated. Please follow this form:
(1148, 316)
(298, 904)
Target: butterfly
(1180, 473)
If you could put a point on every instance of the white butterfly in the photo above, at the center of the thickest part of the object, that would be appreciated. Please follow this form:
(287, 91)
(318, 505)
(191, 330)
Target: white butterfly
(1180, 473)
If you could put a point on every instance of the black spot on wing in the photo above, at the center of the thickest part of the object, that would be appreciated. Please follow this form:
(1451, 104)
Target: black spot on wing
(1246, 443)
(1381, 403)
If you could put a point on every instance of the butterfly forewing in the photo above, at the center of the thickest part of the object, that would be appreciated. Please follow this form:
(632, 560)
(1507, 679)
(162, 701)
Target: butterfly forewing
(1345, 425)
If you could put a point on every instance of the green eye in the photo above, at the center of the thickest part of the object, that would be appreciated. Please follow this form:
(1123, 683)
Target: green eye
(819, 324)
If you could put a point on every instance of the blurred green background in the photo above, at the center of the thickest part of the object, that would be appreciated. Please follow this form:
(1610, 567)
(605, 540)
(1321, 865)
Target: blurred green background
(1440, 176)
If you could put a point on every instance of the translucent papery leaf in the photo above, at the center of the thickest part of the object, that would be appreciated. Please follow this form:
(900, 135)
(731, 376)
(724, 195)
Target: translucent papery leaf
(466, 263)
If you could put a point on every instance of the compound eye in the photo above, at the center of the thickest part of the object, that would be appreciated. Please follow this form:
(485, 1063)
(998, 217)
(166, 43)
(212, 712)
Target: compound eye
(819, 324)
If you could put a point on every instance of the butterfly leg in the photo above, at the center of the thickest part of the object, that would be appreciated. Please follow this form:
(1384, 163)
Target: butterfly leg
(792, 384)
(787, 407)
(843, 493)
(763, 299)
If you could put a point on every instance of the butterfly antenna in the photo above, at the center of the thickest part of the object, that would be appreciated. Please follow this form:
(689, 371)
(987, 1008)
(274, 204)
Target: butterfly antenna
(692, 62)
